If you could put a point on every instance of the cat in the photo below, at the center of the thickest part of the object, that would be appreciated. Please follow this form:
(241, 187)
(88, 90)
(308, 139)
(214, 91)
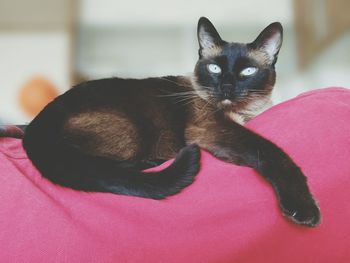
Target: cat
(12, 131)
(101, 134)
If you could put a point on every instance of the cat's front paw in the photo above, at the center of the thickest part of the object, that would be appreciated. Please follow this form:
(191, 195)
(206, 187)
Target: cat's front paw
(303, 211)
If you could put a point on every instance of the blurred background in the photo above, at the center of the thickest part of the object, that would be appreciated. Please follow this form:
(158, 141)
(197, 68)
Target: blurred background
(46, 46)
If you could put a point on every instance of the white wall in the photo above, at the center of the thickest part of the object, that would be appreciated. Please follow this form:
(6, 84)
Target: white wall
(185, 12)
(24, 55)
(149, 38)
(136, 38)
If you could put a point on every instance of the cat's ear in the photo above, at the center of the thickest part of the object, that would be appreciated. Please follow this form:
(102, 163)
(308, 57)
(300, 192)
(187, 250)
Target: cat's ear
(208, 38)
(269, 41)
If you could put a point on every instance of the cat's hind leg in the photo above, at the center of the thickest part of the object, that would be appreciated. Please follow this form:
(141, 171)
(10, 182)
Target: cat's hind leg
(150, 163)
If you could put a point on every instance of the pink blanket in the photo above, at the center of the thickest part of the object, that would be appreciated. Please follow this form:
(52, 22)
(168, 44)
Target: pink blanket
(229, 214)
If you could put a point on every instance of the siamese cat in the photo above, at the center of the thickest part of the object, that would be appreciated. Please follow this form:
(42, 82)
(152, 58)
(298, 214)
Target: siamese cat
(101, 134)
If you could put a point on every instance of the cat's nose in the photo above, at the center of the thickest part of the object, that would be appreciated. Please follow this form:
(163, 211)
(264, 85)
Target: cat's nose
(227, 90)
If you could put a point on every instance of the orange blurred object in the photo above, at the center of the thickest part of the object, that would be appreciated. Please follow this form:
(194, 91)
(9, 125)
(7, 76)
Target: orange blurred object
(36, 94)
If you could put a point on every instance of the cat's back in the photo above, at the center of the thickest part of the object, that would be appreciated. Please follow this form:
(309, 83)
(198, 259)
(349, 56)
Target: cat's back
(102, 116)
(126, 91)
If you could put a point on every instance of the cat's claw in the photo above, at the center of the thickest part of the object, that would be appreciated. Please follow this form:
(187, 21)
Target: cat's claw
(308, 213)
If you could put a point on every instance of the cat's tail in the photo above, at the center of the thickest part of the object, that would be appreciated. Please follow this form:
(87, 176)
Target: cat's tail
(65, 165)
(12, 131)
(92, 173)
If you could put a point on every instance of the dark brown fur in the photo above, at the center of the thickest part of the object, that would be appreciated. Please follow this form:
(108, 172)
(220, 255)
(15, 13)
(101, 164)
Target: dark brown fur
(97, 136)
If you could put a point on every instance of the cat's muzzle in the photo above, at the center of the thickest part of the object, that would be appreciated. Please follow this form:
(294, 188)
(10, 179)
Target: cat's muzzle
(227, 91)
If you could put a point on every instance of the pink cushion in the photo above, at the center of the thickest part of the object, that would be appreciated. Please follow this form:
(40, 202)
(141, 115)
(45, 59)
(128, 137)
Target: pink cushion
(229, 214)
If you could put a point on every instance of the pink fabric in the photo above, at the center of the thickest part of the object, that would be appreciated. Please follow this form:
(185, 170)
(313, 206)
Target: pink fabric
(229, 214)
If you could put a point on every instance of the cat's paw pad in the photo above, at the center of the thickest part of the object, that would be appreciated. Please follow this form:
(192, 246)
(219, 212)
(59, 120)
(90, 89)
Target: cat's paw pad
(303, 212)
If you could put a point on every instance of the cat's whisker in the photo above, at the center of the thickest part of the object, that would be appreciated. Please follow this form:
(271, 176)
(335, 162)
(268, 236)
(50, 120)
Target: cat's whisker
(187, 103)
(259, 91)
(174, 82)
(177, 94)
(204, 110)
(185, 99)
(257, 94)
(185, 94)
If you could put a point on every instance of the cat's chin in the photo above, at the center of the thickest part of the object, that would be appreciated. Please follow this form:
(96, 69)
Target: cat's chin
(225, 104)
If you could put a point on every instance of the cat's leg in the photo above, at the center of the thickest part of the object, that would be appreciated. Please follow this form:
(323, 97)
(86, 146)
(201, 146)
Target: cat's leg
(12, 131)
(234, 143)
(149, 163)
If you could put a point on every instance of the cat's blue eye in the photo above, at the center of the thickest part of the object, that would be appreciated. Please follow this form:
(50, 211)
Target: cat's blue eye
(213, 68)
(249, 71)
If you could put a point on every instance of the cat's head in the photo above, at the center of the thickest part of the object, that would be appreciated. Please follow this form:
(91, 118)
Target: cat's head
(234, 76)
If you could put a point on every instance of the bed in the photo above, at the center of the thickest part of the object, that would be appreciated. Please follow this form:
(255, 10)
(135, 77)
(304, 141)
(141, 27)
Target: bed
(229, 214)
